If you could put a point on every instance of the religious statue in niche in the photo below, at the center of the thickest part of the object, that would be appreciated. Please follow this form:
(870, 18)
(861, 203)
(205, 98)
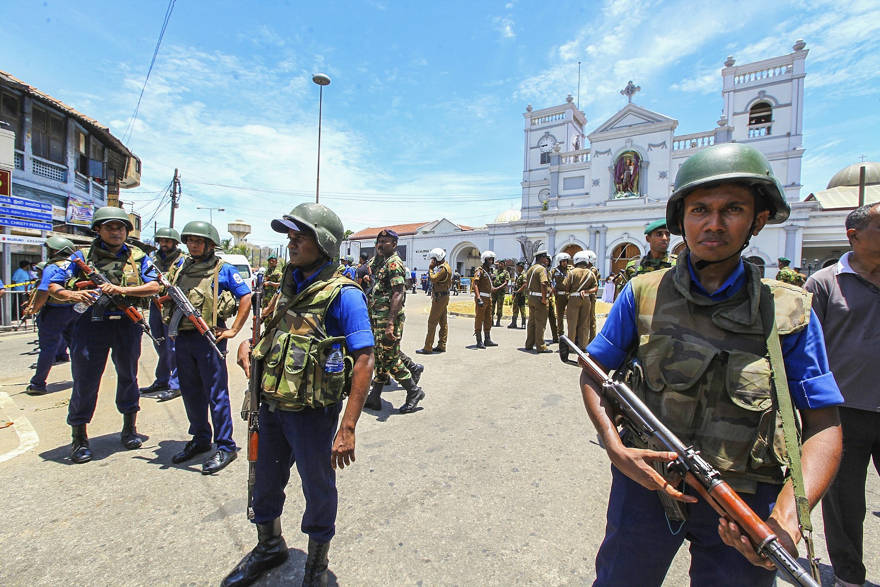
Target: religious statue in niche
(626, 174)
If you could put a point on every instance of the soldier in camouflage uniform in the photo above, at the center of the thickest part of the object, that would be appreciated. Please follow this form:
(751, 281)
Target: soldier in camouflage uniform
(658, 256)
(500, 278)
(699, 334)
(272, 279)
(519, 296)
(387, 315)
(789, 275)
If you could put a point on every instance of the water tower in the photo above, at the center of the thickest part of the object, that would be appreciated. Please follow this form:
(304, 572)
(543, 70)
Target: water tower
(239, 229)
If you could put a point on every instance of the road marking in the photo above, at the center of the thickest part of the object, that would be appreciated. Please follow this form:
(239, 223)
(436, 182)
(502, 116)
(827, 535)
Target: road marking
(27, 436)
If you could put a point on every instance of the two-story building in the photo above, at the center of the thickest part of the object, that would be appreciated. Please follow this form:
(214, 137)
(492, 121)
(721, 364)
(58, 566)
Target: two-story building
(62, 158)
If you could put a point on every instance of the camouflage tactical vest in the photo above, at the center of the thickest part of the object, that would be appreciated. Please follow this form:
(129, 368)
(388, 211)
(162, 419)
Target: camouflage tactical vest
(197, 280)
(63, 261)
(704, 370)
(647, 264)
(164, 264)
(124, 271)
(296, 345)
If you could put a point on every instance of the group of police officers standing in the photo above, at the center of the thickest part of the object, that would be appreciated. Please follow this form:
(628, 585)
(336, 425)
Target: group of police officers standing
(326, 339)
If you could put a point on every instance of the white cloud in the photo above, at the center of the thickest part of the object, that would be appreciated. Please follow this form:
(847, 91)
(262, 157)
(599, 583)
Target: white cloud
(504, 25)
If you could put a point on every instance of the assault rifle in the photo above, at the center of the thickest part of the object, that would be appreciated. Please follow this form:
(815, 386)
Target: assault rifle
(250, 411)
(183, 308)
(104, 300)
(697, 472)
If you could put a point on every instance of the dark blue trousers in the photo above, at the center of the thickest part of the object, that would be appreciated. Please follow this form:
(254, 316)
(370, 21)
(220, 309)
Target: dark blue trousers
(55, 331)
(166, 366)
(640, 543)
(304, 438)
(90, 345)
(204, 386)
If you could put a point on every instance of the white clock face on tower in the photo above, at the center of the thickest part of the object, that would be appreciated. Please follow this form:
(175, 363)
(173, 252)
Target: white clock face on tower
(546, 143)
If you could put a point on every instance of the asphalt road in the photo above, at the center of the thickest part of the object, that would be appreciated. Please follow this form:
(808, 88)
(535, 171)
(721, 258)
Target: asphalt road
(496, 480)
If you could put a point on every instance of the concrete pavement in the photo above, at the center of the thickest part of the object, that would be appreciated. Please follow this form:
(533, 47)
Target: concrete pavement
(497, 479)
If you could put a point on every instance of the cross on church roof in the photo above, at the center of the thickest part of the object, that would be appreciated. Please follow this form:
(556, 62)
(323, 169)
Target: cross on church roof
(630, 90)
(862, 158)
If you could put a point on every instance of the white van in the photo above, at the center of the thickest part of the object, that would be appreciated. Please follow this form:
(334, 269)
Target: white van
(241, 264)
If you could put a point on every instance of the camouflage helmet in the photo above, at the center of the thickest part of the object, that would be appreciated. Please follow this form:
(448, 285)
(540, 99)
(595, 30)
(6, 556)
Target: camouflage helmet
(201, 229)
(727, 163)
(60, 244)
(167, 232)
(317, 219)
(109, 213)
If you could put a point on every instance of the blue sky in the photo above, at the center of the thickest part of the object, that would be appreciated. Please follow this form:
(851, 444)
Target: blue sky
(423, 118)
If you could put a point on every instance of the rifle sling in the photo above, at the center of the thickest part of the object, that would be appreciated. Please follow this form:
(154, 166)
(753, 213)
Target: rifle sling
(789, 423)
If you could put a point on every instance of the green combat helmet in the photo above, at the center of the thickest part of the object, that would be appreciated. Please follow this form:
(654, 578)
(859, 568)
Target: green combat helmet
(317, 219)
(725, 163)
(202, 229)
(59, 244)
(169, 233)
(108, 213)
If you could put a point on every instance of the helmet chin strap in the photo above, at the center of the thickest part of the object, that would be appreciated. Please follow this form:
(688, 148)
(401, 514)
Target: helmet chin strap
(702, 263)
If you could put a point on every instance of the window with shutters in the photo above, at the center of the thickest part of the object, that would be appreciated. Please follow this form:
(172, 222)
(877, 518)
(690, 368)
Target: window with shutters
(10, 113)
(48, 133)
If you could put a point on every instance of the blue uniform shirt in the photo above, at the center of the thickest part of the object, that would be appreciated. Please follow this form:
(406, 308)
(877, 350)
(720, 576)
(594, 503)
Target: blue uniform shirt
(229, 279)
(347, 315)
(20, 276)
(806, 362)
(350, 272)
(52, 273)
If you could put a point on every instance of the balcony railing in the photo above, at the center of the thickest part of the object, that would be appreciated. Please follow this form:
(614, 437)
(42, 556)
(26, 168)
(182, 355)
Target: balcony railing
(81, 182)
(761, 74)
(99, 192)
(573, 157)
(693, 141)
(757, 131)
(48, 169)
(548, 118)
(19, 160)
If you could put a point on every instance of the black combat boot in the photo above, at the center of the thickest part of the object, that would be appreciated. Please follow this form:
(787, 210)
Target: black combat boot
(487, 340)
(497, 321)
(315, 574)
(80, 452)
(374, 400)
(415, 369)
(524, 322)
(271, 551)
(512, 323)
(563, 352)
(130, 439)
(479, 336)
(414, 395)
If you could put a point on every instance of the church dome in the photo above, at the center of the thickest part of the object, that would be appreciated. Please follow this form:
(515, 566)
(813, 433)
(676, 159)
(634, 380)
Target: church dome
(511, 215)
(849, 176)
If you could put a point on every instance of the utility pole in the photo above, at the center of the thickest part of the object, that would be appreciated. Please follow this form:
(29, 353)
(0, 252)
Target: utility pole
(175, 194)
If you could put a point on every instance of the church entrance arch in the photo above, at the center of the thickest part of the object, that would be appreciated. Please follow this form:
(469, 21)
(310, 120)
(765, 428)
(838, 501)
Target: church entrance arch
(623, 254)
(465, 258)
(572, 248)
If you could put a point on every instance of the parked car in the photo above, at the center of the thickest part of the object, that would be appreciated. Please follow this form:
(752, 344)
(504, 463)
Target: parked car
(242, 265)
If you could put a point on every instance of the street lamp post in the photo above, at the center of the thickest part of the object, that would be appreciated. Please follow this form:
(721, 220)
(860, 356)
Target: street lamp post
(210, 212)
(322, 79)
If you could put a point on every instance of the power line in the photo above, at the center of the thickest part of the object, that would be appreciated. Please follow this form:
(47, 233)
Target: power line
(127, 134)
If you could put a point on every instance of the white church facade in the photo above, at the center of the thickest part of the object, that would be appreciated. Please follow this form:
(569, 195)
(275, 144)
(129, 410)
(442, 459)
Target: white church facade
(598, 189)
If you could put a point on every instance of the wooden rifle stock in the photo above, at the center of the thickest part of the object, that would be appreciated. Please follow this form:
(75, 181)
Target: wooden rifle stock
(697, 472)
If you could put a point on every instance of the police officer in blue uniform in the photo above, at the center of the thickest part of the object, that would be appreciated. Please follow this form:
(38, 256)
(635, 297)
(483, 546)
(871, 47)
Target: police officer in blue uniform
(307, 434)
(212, 286)
(166, 385)
(95, 336)
(55, 317)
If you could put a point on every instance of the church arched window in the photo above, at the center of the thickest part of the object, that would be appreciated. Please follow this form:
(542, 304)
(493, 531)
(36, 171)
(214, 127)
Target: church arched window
(760, 118)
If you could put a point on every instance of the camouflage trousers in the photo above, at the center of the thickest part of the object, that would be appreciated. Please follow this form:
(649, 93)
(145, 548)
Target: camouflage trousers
(387, 352)
(519, 307)
(498, 305)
